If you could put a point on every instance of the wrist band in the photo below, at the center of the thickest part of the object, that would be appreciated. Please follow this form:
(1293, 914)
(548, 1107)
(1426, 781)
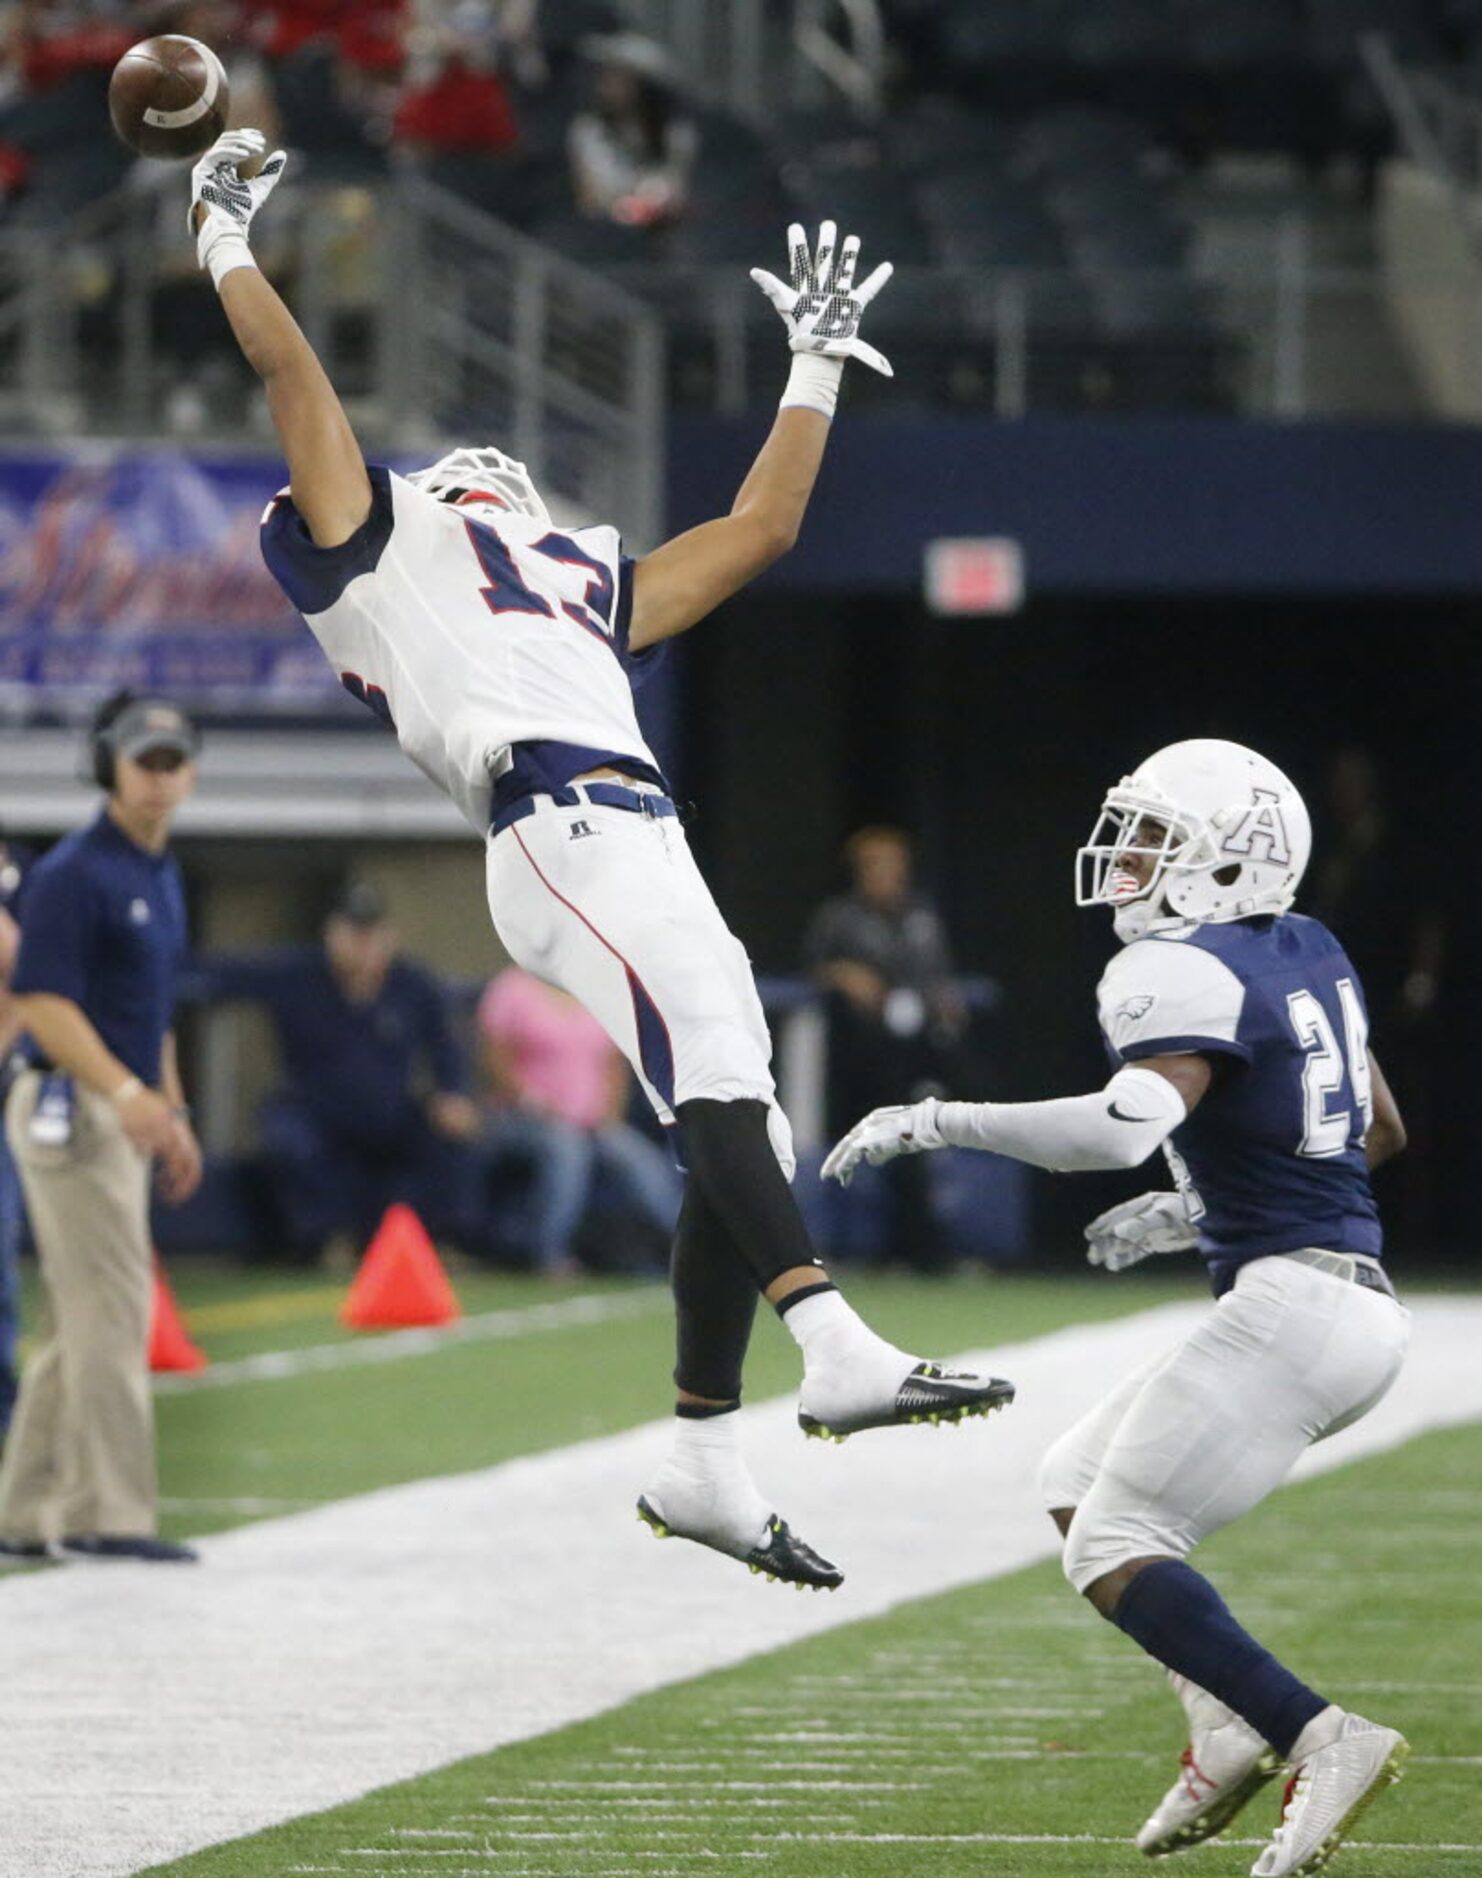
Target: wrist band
(221, 247)
(126, 1091)
(813, 383)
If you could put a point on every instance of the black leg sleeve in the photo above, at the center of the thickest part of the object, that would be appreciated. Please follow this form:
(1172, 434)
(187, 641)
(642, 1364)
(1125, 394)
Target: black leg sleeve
(730, 1160)
(715, 1300)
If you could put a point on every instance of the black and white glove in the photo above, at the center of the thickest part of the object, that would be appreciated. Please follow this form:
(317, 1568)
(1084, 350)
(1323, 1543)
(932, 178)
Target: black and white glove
(821, 309)
(230, 200)
(1137, 1229)
(908, 1128)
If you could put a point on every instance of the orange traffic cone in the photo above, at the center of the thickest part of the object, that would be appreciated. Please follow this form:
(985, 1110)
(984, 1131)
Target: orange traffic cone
(169, 1345)
(401, 1281)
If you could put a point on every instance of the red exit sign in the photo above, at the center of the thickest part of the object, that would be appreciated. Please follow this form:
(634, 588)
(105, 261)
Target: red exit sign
(974, 574)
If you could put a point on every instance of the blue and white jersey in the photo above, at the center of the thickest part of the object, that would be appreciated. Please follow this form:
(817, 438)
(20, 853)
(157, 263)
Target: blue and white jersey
(470, 639)
(1272, 1159)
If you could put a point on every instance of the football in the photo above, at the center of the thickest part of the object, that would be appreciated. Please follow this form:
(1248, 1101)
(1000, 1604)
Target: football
(169, 97)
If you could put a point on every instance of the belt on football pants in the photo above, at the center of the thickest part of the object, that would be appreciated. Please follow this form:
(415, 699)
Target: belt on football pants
(1354, 1267)
(601, 795)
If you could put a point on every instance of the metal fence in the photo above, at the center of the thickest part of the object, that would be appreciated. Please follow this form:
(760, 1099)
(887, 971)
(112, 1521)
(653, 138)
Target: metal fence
(438, 323)
(435, 322)
(750, 56)
(1287, 339)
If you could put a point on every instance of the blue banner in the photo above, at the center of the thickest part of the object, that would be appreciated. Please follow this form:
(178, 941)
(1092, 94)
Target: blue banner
(143, 569)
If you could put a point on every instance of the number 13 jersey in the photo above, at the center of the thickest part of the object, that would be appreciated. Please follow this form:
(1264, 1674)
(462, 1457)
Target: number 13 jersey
(1272, 1159)
(470, 638)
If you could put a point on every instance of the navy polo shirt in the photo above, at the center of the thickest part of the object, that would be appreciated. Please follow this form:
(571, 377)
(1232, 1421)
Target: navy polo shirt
(356, 1067)
(104, 925)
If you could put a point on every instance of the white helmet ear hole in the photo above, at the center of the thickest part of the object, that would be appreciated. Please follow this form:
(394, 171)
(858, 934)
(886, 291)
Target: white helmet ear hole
(1228, 875)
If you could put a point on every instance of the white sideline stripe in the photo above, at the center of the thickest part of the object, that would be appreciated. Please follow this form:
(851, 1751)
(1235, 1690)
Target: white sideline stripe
(392, 1345)
(399, 1631)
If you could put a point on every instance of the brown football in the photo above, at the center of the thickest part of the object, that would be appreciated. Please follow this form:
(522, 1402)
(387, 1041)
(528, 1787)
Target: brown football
(168, 97)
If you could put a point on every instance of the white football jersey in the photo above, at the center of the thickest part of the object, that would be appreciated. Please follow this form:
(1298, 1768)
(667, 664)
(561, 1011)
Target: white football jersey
(468, 638)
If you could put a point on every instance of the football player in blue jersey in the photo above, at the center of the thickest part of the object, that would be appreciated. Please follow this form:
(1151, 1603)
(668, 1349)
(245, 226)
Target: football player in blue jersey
(1239, 1038)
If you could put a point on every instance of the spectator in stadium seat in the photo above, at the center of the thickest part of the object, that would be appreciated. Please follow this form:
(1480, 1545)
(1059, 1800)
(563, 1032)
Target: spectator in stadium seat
(454, 99)
(559, 1090)
(895, 1016)
(55, 62)
(631, 152)
(374, 1106)
(100, 1102)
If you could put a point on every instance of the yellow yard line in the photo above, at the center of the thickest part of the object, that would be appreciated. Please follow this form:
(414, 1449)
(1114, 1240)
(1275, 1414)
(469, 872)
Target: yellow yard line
(271, 1307)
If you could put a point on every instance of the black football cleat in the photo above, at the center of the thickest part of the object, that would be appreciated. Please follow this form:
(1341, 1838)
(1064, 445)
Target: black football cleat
(781, 1555)
(930, 1393)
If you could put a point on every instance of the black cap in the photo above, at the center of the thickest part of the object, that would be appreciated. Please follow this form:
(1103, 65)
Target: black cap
(359, 904)
(153, 724)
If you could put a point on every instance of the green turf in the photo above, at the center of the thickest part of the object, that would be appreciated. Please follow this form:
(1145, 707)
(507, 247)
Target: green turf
(324, 1435)
(900, 1745)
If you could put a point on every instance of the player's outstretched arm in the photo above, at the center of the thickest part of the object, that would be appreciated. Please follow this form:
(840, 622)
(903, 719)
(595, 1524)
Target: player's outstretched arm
(326, 469)
(1118, 1126)
(678, 584)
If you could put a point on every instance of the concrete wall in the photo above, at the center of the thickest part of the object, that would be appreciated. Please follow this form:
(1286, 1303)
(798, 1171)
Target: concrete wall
(1431, 255)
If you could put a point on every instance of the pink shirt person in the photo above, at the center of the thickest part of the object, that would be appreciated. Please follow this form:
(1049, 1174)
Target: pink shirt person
(563, 1061)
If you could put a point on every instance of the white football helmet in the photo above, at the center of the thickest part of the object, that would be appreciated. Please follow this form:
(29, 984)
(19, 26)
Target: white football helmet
(483, 479)
(1235, 840)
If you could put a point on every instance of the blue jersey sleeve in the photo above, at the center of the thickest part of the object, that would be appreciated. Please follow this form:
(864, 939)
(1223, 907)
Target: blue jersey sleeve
(59, 933)
(314, 577)
(638, 665)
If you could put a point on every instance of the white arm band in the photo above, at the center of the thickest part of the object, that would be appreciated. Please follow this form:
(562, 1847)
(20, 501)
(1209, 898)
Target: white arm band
(1119, 1126)
(813, 383)
(221, 247)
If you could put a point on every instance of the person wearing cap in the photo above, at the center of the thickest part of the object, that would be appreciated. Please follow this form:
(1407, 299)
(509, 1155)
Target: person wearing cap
(13, 862)
(99, 1107)
(632, 150)
(375, 1105)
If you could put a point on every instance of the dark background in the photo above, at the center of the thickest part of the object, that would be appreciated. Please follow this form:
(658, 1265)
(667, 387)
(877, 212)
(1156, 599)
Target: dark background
(802, 711)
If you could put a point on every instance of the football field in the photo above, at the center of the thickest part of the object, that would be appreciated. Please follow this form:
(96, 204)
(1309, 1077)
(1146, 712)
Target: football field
(431, 1638)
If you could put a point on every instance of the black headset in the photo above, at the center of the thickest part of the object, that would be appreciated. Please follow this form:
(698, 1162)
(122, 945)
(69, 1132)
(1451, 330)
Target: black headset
(104, 755)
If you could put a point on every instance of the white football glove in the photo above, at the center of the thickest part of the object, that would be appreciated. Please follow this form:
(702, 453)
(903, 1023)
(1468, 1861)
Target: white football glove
(909, 1128)
(230, 201)
(1125, 1235)
(822, 308)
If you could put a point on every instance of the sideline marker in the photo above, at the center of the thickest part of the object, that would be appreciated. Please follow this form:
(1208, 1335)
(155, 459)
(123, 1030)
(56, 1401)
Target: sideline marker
(401, 1284)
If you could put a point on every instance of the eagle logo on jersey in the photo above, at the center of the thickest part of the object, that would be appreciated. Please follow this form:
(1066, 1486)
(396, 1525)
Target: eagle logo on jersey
(1137, 1007)
(1261, 823)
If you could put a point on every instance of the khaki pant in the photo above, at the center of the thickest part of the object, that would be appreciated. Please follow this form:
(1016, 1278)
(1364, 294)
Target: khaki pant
(80, 1455)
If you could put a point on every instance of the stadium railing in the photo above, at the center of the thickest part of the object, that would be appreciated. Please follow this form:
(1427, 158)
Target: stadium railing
(436, 323)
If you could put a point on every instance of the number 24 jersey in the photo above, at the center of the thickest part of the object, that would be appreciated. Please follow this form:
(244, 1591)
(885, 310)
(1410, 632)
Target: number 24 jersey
(1272, 1159)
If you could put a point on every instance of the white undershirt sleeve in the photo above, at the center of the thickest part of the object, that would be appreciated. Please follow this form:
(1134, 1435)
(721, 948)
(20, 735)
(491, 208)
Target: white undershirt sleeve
(1118, 1126)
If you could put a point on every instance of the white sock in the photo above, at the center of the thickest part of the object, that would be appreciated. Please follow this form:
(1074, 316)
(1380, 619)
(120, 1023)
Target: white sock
(827, 1328)
(705, 1488)
(1321, 1732)
(706, 1439)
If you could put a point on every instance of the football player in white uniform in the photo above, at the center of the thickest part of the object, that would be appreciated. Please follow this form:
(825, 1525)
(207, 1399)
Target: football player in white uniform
(503, 652)
(1239, 1040)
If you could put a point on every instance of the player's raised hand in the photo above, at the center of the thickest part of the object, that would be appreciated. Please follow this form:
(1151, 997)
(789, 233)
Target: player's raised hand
(1137, 1229)
(227, 199)
(822, 306)
(908, 1128)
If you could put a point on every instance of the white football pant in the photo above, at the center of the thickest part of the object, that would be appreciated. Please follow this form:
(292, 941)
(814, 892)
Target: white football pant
(1194, 1438)
(608, 905)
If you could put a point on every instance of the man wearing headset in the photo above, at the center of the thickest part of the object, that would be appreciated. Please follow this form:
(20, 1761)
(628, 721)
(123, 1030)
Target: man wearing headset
(103, 935)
